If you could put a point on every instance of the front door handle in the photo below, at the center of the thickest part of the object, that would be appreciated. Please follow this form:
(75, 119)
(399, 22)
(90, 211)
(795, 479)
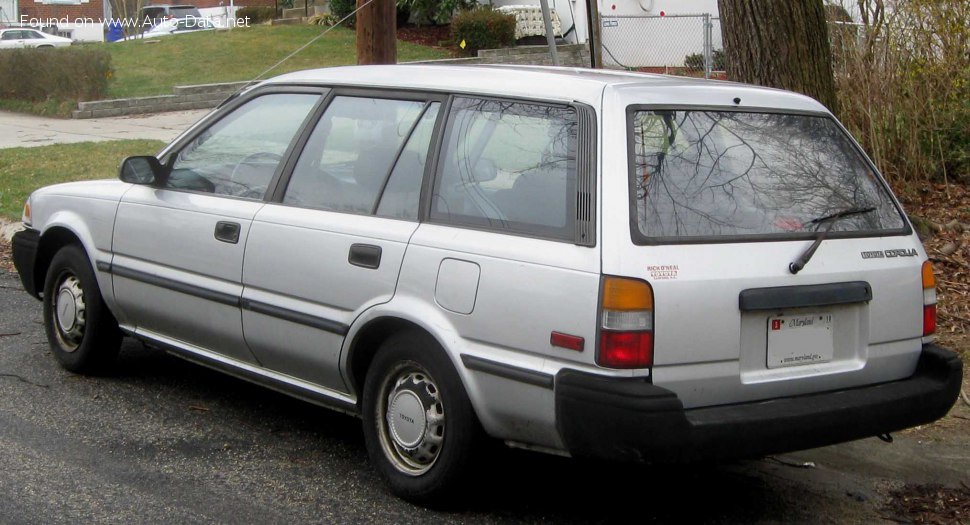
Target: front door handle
(227, 232)
(365, 256)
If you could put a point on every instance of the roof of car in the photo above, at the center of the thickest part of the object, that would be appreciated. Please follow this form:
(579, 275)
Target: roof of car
(556, 83)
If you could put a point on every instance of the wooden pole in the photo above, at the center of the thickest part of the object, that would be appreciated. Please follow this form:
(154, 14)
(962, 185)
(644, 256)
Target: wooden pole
(377, 32)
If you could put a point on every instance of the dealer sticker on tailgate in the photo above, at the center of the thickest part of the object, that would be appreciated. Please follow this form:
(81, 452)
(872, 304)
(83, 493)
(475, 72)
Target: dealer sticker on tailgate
(799, 340)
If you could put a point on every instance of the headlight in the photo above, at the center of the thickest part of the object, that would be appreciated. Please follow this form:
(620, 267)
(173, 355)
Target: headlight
(25, 218)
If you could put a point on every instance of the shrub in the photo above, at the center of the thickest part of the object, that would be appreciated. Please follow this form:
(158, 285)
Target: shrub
(342, 8)
(903, 82)
(257, 14)
(37, 75)
(433, 11)
(328, 19)
(695, 61)
(483, 28)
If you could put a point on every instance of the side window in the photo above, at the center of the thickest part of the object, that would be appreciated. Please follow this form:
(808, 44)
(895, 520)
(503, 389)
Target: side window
(238, 155)
(509, 166)
(402, 194)
(11, 35)
(348, 158)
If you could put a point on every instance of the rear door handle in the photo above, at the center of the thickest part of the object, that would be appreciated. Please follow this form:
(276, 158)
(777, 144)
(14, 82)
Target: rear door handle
(227, 232)
(365, 256)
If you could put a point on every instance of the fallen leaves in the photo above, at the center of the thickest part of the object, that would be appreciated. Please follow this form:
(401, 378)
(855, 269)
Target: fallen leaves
(942, 214)
(930, 504)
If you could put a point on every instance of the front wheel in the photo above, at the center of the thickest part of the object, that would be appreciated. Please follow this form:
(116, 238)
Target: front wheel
(82, 333)
(419, 426)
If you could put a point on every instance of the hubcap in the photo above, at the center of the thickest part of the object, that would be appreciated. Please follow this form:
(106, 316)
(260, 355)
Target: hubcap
(412, 419)
(69, 312)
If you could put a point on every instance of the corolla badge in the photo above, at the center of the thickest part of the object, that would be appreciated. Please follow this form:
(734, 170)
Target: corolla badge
(884, 254)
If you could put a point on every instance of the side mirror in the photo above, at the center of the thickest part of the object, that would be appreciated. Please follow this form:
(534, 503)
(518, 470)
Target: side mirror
(141, 170)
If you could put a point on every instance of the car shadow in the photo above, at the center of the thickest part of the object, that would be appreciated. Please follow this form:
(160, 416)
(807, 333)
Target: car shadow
(507, 484)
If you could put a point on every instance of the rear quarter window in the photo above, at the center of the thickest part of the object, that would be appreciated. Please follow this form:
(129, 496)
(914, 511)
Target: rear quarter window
(721, 175)
(510, 167)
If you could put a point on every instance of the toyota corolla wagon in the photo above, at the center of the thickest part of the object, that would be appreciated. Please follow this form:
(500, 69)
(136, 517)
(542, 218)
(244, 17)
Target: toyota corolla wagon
(605, 265)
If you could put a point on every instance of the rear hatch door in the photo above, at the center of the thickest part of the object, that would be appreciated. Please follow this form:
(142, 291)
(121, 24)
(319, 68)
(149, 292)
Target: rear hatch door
(722, 203)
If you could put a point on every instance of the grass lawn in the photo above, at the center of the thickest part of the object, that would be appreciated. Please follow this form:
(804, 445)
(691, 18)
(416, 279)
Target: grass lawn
(22, 170)
(143, 68)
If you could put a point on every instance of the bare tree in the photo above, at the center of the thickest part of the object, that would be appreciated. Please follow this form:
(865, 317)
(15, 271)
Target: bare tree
(129, 11)
(779, 43)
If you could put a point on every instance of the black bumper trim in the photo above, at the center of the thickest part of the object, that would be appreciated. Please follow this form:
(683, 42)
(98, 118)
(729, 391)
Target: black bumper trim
(25, 245)
(632, 420)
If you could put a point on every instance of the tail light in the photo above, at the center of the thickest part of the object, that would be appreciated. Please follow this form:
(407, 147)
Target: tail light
(626, 324)
(929, 300)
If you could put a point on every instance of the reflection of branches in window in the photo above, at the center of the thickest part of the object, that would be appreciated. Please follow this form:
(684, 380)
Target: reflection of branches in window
(739, 171)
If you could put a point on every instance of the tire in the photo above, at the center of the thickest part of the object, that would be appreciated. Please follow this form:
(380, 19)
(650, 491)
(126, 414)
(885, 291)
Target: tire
(82, 333)
(424, 450)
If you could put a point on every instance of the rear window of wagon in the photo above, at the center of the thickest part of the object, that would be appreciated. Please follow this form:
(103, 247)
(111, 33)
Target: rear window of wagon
(700, 175)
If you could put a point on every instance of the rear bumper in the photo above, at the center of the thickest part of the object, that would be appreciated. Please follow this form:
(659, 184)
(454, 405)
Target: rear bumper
(24, 246)
(632, 420)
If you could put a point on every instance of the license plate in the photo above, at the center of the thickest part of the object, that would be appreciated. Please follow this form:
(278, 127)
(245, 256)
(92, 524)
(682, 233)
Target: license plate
(795, 340)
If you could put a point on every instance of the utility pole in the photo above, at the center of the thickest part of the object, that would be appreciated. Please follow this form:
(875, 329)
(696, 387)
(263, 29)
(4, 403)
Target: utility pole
(377, 32)
(595, 47)
(550, 36)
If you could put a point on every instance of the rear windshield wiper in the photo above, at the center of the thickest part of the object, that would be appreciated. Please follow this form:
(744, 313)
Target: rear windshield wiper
(795, 267)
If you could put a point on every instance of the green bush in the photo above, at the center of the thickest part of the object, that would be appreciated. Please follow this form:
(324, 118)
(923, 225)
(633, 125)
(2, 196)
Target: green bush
(432, 12)
(483, 28)
(37, 75)
(257, 14)
(342, 8)
(695, 61)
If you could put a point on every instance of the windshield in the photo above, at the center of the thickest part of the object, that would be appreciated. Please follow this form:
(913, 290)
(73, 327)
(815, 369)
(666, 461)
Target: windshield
(721, 173)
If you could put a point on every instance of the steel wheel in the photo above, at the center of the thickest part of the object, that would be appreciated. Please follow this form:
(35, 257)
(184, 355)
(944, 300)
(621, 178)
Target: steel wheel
(419, 426)
(411, 419)
(82, 333)
(69, 311)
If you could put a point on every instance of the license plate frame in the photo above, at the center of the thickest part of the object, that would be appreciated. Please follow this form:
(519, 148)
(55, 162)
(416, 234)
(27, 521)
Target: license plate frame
(799, 339)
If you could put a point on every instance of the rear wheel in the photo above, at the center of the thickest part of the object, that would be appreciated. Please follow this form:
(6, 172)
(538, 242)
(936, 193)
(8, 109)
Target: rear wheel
(419, 426)
(82, 333)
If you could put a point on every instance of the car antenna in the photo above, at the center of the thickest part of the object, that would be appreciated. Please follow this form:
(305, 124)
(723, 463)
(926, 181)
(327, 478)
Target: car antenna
(301, 48)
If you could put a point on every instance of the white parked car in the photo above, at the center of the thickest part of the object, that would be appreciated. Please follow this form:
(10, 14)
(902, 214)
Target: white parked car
(597, 264)
(178, 26)
(23, 37)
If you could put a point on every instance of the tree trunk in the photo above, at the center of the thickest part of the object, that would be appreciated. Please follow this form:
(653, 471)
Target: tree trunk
(377, 32)
(779, 43)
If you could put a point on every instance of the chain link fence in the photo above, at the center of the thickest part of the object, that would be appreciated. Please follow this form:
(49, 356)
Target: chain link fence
(673, 44)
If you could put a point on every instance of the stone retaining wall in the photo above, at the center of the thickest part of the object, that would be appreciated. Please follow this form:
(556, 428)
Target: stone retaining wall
(202, 96)
(570, 55)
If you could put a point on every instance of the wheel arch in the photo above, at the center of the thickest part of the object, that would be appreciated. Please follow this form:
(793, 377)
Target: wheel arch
(51, 241)
(378, 323)
(365, 343)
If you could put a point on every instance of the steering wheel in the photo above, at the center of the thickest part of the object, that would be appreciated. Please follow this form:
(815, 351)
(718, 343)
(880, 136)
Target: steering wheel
(247, 169)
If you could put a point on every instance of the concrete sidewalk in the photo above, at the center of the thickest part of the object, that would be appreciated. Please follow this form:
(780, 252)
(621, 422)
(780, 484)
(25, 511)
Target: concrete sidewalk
(22, 130)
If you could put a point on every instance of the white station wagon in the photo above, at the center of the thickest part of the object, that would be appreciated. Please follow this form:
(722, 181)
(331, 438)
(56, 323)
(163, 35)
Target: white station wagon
(606, 265)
